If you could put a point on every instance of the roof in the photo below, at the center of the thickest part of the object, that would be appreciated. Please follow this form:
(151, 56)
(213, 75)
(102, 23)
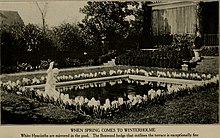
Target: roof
(171, 4)
(10, 17)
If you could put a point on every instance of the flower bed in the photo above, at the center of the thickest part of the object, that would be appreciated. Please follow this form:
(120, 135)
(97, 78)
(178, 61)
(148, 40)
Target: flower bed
(153, 73)
(95, 108)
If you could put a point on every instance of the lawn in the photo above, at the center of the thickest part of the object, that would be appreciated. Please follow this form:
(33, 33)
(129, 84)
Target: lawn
(197, 108)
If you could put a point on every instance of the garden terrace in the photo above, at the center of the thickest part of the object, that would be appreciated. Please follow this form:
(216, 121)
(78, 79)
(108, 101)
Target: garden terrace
(205, 96)
(172, 84)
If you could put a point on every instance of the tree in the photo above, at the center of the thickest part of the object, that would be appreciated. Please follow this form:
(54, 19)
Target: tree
(69, 40)
(108, 21)
(43, 14)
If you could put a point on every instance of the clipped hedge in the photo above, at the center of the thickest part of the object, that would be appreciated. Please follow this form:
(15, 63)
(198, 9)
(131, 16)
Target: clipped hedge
(151, 59)
(210, 51)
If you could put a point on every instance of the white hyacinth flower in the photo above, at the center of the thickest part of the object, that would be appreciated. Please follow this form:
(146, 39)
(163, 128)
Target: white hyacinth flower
(95, 74)
(119, 71)
(143, 72)
(130, 97)
(120, 100)
(158, 92)
(86, 100)
(112, 72)
(81, 100)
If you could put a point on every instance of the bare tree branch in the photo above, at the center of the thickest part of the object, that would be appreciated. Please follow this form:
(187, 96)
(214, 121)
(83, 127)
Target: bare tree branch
(43, 12)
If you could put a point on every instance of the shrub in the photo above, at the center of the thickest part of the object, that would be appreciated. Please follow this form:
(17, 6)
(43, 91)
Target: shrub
(210, 51)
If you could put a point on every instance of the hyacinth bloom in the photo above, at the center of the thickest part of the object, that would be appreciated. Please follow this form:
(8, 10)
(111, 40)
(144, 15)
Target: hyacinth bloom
(135, 101)
(34, 80)
(103, 73)
(209, 76)
(91, 85)
(19, 93)
(119, 71)
(145, 97)
(44, 95)
(152, 93)
(95, 74)
(81, 100)
(125, 72)
(129, 71)
(107, 102)
(128, 80)
(95, 85)
(142, 82)
(86, 100)
(120, 101)
(119, 81)
(106, 106)
(18, 82)
(25, 81)
(77, 99)
(112, 83)
(112, 72)
(114, 104)
(65, 98)
(139, 98)
(42, 78)
(9, 87)
(39, 92)
(86, 86)
(13, 84)
(23, 89)
(92, 102)
(203, 76)
(71, 77)
(130, 97)
(158, 92)
(76, 76)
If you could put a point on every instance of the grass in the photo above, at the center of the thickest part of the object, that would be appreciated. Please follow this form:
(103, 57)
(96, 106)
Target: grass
(18, 109)
(197, 108)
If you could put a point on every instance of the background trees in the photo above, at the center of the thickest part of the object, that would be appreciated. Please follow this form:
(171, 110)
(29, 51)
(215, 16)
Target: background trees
(118, 23)
(108, 25)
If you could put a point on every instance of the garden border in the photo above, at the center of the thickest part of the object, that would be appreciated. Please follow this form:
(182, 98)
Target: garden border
(133, 77)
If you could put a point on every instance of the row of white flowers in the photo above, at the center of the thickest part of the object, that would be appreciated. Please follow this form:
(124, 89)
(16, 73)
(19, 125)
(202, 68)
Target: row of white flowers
(94, 107)
(167, 74)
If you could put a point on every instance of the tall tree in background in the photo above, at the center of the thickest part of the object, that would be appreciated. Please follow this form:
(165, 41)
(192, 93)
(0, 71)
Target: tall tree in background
(69, 40)
(43, 14)
(108, 21)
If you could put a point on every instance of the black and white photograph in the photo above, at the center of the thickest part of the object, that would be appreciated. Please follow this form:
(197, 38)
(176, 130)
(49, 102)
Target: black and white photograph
(109, 62)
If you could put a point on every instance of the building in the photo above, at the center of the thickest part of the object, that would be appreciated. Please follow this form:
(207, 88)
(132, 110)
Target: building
(10, 18)
(187, 17)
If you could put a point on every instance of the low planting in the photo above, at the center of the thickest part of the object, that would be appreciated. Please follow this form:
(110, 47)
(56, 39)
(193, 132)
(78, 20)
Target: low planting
(210, 51)
(164, 59)
(41, 79)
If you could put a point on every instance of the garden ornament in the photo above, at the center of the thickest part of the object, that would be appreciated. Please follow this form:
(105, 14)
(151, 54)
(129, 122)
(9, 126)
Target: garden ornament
(50, 87)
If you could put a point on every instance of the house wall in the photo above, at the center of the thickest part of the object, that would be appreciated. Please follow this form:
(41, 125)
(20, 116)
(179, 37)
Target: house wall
(174, 19)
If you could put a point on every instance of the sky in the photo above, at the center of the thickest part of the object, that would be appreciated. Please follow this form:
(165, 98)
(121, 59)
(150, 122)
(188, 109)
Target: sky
(57, 12)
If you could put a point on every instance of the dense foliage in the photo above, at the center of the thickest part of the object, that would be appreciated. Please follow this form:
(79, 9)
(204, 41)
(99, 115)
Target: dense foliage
(29, 47)
(122, 25)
